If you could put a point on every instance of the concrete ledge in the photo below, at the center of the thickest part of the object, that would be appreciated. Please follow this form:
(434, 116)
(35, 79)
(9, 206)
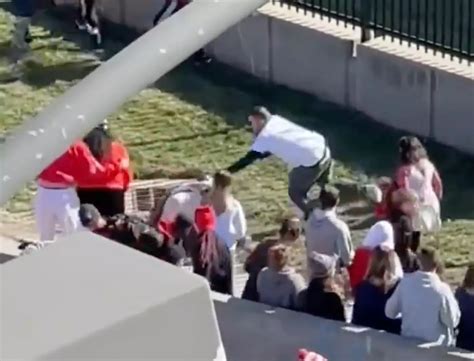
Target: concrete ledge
(255, 332)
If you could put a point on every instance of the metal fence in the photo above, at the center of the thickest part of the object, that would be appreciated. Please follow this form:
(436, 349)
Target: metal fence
(445, 26)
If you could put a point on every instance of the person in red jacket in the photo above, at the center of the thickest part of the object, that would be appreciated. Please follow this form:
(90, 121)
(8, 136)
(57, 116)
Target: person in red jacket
(56, 202)
(106, 194)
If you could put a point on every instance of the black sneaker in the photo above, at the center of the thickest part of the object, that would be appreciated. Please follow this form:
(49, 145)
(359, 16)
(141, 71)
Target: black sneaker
(28, 37)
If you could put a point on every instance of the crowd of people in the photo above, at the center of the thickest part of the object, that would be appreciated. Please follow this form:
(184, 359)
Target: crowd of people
(395, 282)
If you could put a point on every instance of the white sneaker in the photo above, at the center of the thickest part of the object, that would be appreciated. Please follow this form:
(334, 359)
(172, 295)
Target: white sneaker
(81, 25)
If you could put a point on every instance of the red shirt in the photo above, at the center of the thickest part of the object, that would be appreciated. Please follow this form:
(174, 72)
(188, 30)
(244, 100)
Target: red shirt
(120, 180)
(359, 266)
(77, 165)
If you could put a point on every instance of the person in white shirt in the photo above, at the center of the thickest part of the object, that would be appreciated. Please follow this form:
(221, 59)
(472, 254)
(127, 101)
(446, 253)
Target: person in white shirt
(231, 224)
(427, 305)
(182, 200)
(304, 151)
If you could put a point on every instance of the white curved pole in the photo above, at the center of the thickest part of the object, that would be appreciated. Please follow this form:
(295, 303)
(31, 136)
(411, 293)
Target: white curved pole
(40, 140)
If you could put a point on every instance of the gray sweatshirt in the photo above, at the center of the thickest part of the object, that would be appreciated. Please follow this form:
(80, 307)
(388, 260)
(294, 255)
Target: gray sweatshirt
(428, 308)
(280, 289)
(327, 234)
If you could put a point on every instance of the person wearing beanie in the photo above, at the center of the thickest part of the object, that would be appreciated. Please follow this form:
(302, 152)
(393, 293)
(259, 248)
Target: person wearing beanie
(304, 151)
(322, 298)
(210, 256)
(381, 234)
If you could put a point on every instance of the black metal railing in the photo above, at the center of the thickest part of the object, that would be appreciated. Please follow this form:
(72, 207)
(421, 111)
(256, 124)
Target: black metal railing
(445, 26)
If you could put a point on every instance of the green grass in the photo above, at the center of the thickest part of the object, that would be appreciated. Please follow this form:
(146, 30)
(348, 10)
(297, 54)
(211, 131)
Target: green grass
(195, 119)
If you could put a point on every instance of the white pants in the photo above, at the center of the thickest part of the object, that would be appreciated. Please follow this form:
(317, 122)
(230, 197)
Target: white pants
(56, 207)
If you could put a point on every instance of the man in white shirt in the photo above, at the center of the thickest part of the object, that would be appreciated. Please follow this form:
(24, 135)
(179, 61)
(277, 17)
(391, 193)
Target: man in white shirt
(427, 305)
(304, 151)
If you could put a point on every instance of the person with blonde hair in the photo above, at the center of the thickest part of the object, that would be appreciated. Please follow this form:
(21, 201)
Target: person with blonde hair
(231, 226)
(465, 297)
(323, 296)
(372, 294)
(279, 285)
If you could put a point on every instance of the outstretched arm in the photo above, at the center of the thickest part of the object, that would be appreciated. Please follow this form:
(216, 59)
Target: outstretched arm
(246, 160)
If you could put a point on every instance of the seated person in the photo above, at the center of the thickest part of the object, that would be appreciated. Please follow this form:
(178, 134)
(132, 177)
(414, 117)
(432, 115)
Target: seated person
(465, 297)
(427, 305)
(322, 297)
(289, 233)
(372, 294)
(133, 232)
(279, 285)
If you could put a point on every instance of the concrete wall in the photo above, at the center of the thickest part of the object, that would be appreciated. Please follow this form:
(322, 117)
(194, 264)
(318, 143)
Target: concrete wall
(394, 84)
(255, 332)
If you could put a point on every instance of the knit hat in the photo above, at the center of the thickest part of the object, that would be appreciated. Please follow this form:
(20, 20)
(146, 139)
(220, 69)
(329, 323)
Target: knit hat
(88, 214)
(205, 219)
(380, 234)
(321, 265)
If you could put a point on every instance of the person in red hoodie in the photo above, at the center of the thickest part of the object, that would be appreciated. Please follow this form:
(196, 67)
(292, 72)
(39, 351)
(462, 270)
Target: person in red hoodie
(56, 202)
(107, 193)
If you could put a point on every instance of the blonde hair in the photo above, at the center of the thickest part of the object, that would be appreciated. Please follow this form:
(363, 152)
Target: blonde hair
(382, 268)
(278, 257)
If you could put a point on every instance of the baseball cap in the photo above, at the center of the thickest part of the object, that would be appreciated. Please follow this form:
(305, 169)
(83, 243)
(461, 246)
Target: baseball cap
(89, 214)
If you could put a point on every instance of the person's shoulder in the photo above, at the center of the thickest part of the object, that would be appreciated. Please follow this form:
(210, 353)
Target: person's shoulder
(341, 225)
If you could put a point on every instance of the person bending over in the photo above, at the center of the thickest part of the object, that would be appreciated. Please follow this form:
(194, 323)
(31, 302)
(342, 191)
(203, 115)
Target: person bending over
(304, 151)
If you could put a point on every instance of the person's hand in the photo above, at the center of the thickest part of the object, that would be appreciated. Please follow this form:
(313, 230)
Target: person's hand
(124, 164)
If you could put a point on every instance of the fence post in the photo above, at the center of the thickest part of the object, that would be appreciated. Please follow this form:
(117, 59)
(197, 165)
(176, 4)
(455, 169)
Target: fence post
(366, 17)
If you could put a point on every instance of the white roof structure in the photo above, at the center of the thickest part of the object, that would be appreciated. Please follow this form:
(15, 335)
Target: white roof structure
(88, 298)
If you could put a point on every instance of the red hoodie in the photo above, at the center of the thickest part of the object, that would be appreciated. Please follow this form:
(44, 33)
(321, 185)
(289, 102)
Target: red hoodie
(118, 181)
(76, 165)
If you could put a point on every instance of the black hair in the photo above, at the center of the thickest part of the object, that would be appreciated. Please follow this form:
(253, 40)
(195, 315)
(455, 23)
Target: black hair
(329, 197)
(287, 227)
(411, 150)
(260, 111)
(99, 141)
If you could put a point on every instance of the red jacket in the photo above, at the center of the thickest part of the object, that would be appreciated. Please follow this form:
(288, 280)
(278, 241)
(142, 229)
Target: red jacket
(77, 165)
(118, 181)
(359, 266)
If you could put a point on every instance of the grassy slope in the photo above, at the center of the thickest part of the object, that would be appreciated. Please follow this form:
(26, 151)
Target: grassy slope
(182, 129)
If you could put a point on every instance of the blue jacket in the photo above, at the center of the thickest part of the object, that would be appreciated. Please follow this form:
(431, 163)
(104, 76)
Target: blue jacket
(466, 326)
(24, 8)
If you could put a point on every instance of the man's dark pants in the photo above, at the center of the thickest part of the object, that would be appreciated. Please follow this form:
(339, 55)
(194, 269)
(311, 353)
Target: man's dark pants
(301, 179)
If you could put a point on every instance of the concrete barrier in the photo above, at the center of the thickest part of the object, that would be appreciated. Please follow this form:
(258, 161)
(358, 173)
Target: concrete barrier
(300, 55)
(246, 46)
(255, 332)
(392, 90)
(453, 109)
